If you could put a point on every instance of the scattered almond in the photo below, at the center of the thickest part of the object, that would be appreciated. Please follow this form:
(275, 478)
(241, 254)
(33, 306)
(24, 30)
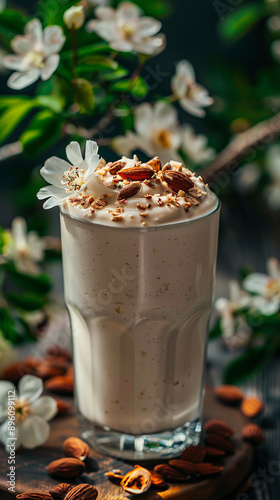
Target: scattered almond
(116, 166)
(60, 385)
(15, 371)
(33, 496)
(194, 454)
(253, 433)
(82, 492)
(229, 394)
(207, 469)
(214, 453)
(65, 468)
(170, 473)
(58, 492)
(177, 181)
(216, 441)
(75, 447)
(184, 466)
(137, 480)
(219, 427)
(251, 407)
(158, 481)
(62, 407)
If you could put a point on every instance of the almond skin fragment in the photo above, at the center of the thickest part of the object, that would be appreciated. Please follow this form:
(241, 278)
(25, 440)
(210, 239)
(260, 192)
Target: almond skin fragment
(170, 473)
(116, 166)
(58, 492)
(66, 468)
(75, 447)
(251, 407)
(219, 427)
(129, 190)
(253, 434)
(137, 481)
(82, 492)
(177, 181)
(60, 385)
(136, 173)
(158, 481)
(184, 466)
(155, 164)
(194, 454)
(33, 496)
(229, 394)
(219, 442)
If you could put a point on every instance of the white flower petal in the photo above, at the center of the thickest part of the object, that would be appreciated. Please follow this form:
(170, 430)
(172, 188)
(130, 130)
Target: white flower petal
(21, 44)
(14, 62)
(127, 11)
(34, 432)
(121, 45)
(256, 283)
(54, 169)
(53, 40)
(45, 407)
(18, 81)
(165, 116)
(103, 29)
(151, 45)
(34, 30)
(90, 150)
(30, 388)
(73, 153)
(266, 307)
(186, 69)
(222, 306)
(56, 194)
(148, 26)
(105, 13)
(179, 85)
(50, 66)
(143, 119)
(273, 268)
(192, 108)
(125, 145)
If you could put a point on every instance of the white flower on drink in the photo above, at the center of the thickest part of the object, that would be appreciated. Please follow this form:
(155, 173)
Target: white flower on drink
(192, 96)
(36, 54)
(24, 248)
(32, 413)
(266, 286)
(74, 17)
(195, 146)
(68, 178)
(273, 167)
(157, 132)
(126, 30)
(227, 308)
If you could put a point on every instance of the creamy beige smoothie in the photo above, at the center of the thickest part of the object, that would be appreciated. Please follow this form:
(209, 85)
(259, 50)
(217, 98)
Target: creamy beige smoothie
(139, 254)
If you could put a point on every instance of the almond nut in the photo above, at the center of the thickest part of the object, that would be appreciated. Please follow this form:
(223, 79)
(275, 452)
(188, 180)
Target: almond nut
(58, 492)
(82, 492)
(214, 453)
(136, 173)
(194, 454)
(177, 181)
(116, 166)
(251, 407)
(219, 427)
(157, 481)
(253, 434)
(229, 394)
(219, 442)
(170, 473)
(206, 469)
(184, 466)
(129, 190)
(33, 496)
(66, 468)
(62, 407)
(75, 447)
(60, 385)
(155, 163)
(137, 480)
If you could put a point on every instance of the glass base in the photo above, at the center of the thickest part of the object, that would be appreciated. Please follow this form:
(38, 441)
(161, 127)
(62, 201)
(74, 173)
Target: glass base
(165, 444)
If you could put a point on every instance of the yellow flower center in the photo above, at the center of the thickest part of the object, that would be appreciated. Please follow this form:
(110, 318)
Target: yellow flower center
(163, 139)
(128, 30)
(22, 410)
(273, 288)
(36, 59)
(74, 179)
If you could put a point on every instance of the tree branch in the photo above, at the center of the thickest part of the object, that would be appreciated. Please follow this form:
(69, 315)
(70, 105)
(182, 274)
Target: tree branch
(255, 139)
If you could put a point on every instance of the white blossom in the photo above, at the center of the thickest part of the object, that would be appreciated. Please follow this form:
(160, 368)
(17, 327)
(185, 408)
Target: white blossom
(266, 286)
(157, 133)
(126, 30)
(192, 96)
(25, 249)
(36, 54)
(226, 308)
(68, 178)
(74, 17)
(32, 413)
(195, 146)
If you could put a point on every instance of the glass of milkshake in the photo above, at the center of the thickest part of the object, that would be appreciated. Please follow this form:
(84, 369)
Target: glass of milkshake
(139, 245)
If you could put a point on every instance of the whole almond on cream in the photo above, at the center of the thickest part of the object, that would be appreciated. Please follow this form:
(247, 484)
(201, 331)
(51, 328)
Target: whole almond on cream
(136, 173)
(75, 447)
(66, 468)
(129, 190)
(177, 181)
(82, 492)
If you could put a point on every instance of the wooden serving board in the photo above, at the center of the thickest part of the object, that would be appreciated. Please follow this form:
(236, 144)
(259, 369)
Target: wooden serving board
(31, 474)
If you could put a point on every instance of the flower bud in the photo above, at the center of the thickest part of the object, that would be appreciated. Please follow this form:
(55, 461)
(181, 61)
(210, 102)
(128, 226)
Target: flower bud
(74, 17)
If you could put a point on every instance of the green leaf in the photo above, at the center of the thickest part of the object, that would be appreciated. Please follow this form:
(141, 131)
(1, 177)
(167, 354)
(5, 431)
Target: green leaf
(249, 364)
(12, 23)
(97, 63)
(7, 101)
(53, 102)
(87, 50)
(115, 75)
(39, 283)
(11, 117)
(8, 328)
(43, 131)
(216, 331)
(140, 88)
(240, 21)
(83, 95)
(51, 12)
(155, 8)
(26, 302)
(124, 85)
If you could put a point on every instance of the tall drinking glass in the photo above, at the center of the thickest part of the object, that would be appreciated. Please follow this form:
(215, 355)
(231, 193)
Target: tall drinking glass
(139, 300)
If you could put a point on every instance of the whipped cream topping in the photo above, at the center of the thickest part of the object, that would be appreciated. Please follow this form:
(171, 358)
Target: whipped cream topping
(131, 193)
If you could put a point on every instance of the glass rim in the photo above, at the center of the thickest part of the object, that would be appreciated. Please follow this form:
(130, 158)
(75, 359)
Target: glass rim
(144, 228)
